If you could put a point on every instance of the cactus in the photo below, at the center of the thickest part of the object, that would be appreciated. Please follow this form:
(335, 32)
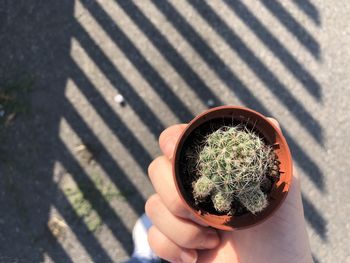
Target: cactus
(231, 165)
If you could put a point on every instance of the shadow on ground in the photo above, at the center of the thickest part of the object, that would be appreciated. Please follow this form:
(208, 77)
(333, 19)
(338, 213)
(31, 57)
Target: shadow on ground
(35, 38)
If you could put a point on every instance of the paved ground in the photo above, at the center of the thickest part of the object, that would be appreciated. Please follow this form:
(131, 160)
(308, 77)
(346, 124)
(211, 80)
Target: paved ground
(73, 168)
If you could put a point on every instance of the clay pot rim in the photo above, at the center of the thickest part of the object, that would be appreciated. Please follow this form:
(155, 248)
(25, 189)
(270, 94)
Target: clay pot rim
(193, 124)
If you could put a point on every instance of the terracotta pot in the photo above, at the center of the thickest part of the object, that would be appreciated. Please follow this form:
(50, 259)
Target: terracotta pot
(272, 136)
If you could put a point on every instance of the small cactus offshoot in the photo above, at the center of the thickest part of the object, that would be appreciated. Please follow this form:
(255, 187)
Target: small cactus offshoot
(231, 165)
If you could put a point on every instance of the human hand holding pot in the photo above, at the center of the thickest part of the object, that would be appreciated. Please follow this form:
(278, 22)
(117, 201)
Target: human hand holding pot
(178, 236)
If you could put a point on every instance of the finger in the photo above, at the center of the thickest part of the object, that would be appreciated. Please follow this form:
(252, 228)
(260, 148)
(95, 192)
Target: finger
(182, 232)
(169, 137)
(275, 122)
(160, 173)
(168, 250)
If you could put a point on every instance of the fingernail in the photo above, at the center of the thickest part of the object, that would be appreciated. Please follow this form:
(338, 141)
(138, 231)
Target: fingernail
(211, 240)
(188, 257)
(168, 146)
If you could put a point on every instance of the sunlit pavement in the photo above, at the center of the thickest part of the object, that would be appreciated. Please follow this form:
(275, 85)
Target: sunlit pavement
(110, 76)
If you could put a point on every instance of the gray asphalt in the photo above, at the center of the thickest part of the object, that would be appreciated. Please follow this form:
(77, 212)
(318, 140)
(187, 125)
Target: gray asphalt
(168, 60)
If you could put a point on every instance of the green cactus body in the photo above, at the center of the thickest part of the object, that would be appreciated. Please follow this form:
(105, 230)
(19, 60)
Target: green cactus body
(254, 201)
(203, 186)
(221, 201)
(231, 165)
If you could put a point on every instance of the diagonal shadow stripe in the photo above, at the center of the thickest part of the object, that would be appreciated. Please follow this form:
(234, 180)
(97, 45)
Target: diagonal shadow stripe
(169, 52)
(313, 216)
(309, 9)
(261, 71)
(55, 250)
(111, 119)
(117, 79)
(242, 92)
(293, 26)
(147, 71)
(104, 159)
(97, 201)
(77, 225)
(276, 47)
(305, 162)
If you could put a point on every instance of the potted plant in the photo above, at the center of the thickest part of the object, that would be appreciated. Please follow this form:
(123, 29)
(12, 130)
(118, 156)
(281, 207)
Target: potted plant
(232, 167)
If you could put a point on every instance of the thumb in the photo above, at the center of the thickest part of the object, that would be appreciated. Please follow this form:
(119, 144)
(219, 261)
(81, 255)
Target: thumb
(169, 138)
(275, 122)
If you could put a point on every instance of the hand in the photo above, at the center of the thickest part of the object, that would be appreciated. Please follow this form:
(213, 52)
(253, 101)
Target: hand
(179, 237)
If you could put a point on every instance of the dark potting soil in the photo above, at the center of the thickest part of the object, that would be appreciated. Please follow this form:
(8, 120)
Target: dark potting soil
(188, 172)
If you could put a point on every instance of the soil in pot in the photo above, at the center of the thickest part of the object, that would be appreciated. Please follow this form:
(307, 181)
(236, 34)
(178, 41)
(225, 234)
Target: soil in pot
(189, 172)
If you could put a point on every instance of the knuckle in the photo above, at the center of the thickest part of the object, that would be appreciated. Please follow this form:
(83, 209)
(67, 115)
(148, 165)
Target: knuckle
(162, 136)
(151, 205)
(153, 165)
(152, 238)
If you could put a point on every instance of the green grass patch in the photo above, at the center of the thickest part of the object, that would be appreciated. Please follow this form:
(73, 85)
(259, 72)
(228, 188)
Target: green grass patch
(83, 208)
(80, 194)
(107, 189)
